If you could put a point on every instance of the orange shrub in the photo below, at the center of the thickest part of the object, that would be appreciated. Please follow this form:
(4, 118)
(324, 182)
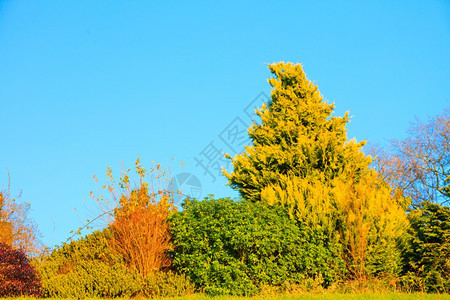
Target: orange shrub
(138, 219)
(141, 232)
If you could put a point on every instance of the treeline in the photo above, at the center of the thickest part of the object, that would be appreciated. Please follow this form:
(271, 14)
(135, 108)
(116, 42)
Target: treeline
(316, 214)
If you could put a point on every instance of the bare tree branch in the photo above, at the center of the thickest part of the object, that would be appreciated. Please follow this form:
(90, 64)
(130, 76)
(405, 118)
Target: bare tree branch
(419, 166)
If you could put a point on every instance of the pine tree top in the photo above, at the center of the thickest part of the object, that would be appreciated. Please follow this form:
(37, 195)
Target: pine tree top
(297, 136)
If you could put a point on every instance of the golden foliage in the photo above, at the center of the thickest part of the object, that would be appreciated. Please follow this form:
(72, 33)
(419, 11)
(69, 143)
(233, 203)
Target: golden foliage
(297, 137)
(371, 221)
(141, 232)
(361, 214)
(301, 157)
(16, 228)
(138, 219)
(307, 201)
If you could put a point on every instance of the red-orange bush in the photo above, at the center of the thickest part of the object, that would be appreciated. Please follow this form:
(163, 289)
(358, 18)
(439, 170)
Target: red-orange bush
(141, 231)
(138, 219)
(17, 276)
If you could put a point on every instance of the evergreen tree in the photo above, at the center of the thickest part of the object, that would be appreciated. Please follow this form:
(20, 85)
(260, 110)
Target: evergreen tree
(427, 251)
(301, 157)
(297, 137)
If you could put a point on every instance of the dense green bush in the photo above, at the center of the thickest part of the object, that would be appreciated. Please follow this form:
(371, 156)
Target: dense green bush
(229, 247)
(17, 275)
(86, 268)
(167, 284)
(90, 268)
(92, 279)
(427, 252)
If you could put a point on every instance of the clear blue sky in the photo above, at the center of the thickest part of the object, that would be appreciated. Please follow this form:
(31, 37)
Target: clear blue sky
(90, 84)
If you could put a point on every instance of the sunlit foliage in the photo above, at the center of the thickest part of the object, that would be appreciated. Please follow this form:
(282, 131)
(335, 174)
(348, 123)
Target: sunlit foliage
(16, 227)
(301, 158)
(243, 247)
(136, 213)
(17, 276)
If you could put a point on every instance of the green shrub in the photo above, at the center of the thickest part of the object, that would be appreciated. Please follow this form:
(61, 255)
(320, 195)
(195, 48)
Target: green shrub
(237, 248)
(86, 268)
(92, 279)
(427, 252)
(90, 268)
(167, 284)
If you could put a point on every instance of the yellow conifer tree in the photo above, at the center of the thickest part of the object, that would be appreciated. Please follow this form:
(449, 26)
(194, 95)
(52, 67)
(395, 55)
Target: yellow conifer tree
(301, 157)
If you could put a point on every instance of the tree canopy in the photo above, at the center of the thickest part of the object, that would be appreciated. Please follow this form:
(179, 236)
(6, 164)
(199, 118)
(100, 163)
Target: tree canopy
(301, 157)
(297, 137)
(17, 229)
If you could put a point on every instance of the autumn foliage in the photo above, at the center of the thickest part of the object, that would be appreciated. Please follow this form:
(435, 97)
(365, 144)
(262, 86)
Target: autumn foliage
(314, 215)
(370, 223)
(16, 227)
(141, 231)
(130, 256)
(139, 220)
(17, 276)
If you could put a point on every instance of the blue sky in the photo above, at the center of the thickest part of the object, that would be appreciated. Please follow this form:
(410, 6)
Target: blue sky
(89, 84)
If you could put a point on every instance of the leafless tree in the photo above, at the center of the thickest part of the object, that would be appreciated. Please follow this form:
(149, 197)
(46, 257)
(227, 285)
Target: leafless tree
(419, 165)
